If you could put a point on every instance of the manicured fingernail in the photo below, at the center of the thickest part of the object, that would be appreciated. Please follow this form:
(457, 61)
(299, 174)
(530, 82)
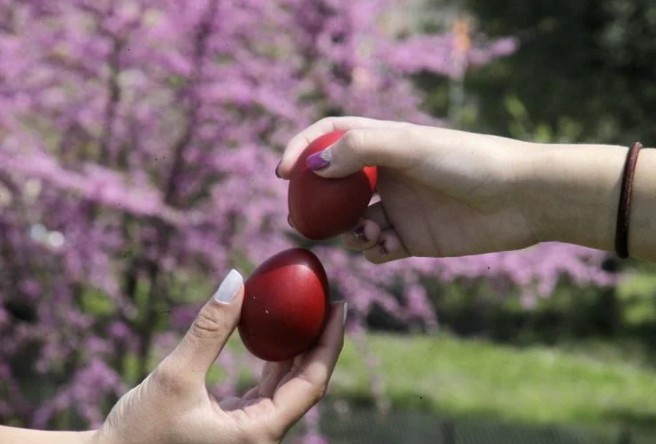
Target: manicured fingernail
(320, 160)
(278, 170)
(345, 312)
(360, 233)
(289, 220)
(229, 287)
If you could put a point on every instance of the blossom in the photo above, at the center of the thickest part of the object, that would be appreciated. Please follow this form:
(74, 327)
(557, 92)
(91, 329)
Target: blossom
(138, 140)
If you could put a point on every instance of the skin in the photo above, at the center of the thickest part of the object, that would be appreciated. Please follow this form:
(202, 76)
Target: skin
(453, 193)
(172, 405)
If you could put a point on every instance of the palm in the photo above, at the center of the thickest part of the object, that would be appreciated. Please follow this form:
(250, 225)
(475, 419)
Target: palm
(432, 222)
(258, 400)
(198, 415)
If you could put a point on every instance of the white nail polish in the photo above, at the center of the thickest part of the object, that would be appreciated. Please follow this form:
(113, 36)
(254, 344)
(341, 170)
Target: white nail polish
(229, 287)
(327, 154)
(345, 312)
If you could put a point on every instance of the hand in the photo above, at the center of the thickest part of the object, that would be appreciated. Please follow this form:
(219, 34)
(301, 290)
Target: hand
(442, 192)
(172, 404)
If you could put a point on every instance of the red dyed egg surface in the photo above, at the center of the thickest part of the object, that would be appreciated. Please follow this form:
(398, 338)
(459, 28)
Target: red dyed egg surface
(321, 208)
(285, 306)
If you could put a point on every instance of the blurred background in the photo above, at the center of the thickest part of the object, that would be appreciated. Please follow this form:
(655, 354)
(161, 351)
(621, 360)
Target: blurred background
(138, 140)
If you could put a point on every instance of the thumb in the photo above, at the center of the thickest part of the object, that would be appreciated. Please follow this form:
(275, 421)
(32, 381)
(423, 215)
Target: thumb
(358, 148)
(201, 345)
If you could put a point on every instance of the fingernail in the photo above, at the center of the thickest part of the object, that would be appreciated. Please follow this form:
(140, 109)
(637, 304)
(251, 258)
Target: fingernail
(320, 160)
(229, 287)
(345, 313)
(277, 170)
(289, 220)
(360, 233)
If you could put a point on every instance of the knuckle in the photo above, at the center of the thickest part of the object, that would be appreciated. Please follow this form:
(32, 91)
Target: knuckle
(168, 379)
(325, 121)
(357, 142)
(318, 393)
(208, 325)
(317, 390)
(354, 139)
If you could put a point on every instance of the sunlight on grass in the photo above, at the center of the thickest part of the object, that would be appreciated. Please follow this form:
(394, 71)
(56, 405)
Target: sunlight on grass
(447, 375)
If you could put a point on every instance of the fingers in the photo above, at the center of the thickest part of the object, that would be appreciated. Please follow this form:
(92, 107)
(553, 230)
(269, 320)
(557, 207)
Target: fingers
(367, 233)
(195, 354)
(363, 236)
(309, 381)
(375, 237)
(272, 374)
(378, 246)
(366, 142)
(387, 248)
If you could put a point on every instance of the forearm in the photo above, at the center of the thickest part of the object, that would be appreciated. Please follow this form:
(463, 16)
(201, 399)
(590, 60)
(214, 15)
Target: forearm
(572, 195)
(572, 192)
(13, 435)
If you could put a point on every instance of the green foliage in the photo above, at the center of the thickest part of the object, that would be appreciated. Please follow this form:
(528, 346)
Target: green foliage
(572, 311)
(637, 295)
(521, 125)
(96, 303)
(536, 384)
(587, 61)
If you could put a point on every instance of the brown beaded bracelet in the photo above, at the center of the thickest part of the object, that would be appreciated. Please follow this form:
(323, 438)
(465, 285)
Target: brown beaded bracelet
(624, 210)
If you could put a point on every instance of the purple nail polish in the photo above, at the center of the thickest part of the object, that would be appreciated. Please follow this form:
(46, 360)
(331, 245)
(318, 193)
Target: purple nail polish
(277, 170)
(320, 160)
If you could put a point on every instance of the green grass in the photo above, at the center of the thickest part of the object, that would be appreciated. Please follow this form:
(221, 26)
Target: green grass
(451, 376)
(637, 294)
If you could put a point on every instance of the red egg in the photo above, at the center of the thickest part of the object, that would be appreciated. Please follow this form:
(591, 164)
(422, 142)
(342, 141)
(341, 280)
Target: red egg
(321, 208)
(285, 306)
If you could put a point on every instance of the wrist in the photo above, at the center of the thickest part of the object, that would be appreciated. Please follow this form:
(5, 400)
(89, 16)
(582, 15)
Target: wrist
(31, 436)
(571, 192)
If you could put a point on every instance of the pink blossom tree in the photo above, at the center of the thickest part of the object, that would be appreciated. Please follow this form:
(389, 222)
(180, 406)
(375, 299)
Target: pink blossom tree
(138, 140)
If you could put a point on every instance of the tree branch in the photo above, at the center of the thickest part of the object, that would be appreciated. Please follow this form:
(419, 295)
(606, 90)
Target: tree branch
(181, 145)
(112, 102)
